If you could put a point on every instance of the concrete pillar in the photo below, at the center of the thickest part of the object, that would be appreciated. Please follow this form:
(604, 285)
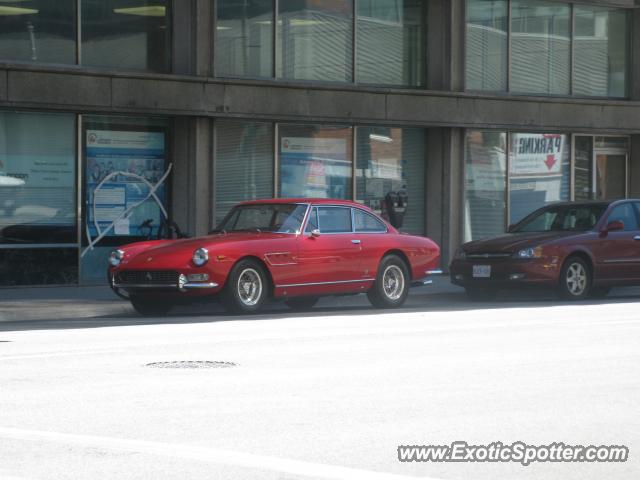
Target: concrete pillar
(191, 40)
(445, 45)
(634, 167)
(192, 185)
(445, 158)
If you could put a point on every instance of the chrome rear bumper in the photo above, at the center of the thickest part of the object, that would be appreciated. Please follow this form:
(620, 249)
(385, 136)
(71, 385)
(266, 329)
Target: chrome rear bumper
(427, 279)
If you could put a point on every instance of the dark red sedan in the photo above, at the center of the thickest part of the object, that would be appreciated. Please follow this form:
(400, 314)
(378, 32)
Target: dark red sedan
(295, 249)
(580, 249)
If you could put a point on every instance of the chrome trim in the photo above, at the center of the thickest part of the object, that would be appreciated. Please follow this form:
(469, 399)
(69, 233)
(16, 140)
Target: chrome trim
(488, 255)
(326, 283)
(434, 272)
(200, 285)
(164, 285)
(355, 241)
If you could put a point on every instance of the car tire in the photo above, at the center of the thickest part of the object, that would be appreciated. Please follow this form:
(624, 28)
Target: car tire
(599, 292)
(575, 279)
(301, 303)
(391, 287)
(481, 294)
(150, 307)
(246, 288)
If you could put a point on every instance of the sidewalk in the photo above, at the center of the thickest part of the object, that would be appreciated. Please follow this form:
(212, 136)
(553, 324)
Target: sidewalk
(44, 303)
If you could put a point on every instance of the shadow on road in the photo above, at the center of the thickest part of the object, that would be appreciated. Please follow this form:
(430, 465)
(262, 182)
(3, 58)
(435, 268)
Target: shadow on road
(332, 306)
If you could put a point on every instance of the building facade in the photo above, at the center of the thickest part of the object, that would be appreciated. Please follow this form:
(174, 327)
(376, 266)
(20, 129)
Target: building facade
(117, 113)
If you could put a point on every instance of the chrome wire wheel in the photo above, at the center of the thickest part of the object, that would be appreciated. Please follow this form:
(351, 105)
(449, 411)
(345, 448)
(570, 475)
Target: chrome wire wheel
(576, 279)
(249, 287)
(393, 282)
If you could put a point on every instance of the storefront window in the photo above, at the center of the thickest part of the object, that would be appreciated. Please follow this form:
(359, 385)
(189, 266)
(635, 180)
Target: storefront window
(38, 31)
(487, 44)
(601, 46)
(540, 47)
(315, 161)
(390, 174)
(244, 38)
(126, 34)
(539, 172)
(315, 40)
(125, 161)
(583, 174)
(389, 39)
(38, 221)
(244, 164)
(485, 184)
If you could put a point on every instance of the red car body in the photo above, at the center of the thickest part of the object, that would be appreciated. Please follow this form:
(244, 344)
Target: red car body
(606, 246)
(297, 263)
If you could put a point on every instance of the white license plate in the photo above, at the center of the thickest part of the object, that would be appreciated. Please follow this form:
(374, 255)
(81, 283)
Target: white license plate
(481, 271)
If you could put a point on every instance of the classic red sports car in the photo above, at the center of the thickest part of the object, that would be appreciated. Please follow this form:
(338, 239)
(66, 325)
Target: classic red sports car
(296, 249)
(580, 249)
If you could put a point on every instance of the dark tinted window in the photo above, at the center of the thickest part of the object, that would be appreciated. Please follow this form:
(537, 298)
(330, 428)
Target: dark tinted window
(312, 223)
(562, 218)
(624, 213)
(334, 219)
(367, 223)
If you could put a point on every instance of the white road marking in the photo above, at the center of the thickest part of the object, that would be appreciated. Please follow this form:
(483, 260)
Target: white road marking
(206, 454)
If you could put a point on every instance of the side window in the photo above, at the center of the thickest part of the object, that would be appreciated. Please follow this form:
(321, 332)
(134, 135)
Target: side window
(366, 222)
(312, 223)
(625, 214)
(334, 219)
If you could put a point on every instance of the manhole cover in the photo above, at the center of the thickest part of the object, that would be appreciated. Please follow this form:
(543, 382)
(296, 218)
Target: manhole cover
(192, 364)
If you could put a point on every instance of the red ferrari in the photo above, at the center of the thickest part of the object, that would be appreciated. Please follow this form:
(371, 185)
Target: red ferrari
(295, 249)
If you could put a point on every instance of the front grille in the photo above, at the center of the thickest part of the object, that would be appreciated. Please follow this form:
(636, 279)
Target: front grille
(148, 277)
(482, 256)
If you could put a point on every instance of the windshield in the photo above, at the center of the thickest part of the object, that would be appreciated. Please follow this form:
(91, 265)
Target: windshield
(569, 218)
(280, 218)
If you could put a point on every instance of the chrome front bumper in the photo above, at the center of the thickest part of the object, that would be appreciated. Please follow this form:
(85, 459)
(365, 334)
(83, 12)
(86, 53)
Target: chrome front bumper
(182, 286)
(427, 279)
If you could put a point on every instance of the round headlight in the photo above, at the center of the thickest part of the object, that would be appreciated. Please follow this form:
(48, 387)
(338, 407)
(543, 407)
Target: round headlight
(200, 257)
(115, 257)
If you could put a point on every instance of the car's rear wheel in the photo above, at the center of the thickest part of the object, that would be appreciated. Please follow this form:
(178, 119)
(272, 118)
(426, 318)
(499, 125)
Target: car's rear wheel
(301, 303)
(150, 307)
(481, 294)
(247, 287)
(391, 287)
(575, 279)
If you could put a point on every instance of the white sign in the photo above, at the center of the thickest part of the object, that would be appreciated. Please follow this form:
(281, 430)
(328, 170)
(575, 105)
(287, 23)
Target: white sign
(537, 154)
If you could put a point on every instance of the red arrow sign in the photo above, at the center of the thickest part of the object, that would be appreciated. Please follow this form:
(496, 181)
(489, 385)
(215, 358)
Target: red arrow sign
(550, 161)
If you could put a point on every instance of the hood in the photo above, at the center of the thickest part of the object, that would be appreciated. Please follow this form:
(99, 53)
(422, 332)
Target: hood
(512, 242)
(173, 253)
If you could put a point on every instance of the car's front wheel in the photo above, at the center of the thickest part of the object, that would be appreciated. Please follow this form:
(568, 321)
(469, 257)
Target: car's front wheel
(575, 279)
(391, 287)
(247, 287)
(150, 307)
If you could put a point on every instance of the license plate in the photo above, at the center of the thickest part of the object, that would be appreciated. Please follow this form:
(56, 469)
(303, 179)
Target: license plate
(481, 271)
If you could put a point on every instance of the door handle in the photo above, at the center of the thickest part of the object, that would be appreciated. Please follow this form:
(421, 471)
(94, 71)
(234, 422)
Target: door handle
(357, 242)
(637, 237)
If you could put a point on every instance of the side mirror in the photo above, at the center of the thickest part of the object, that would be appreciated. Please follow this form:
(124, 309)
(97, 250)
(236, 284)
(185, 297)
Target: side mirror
(315, 232)
(615, 226)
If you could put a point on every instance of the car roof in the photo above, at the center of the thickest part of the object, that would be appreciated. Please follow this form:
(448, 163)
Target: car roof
(590, 202)
(316, 201)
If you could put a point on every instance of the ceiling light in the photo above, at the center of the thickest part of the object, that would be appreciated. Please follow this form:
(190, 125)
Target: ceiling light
(147, 11)
(6, 11)
(380, 138)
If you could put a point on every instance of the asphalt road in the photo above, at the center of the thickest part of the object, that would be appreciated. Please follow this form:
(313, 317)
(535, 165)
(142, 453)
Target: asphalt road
(329, 394)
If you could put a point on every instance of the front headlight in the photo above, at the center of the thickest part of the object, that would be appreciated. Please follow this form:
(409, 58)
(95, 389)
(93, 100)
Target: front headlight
(200, 257)
(115, 257)
(532, 252)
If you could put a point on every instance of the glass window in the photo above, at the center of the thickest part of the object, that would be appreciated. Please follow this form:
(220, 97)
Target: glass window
(315, 161)
(38, 199)
(390, 44)
(539, 172)
(487, 44)
(265, 218)
(624, 213)
(121, 154)
(315, 40)
(334, 219)
(583, 175)
(38, 31)
(244, 38)
(540, 47)
(611, 175)
(126, 34)
(390, 174)
(485, 184)
(312, 223)
(244, 163)
(601, 46)
(367, 223)
(562, 218)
